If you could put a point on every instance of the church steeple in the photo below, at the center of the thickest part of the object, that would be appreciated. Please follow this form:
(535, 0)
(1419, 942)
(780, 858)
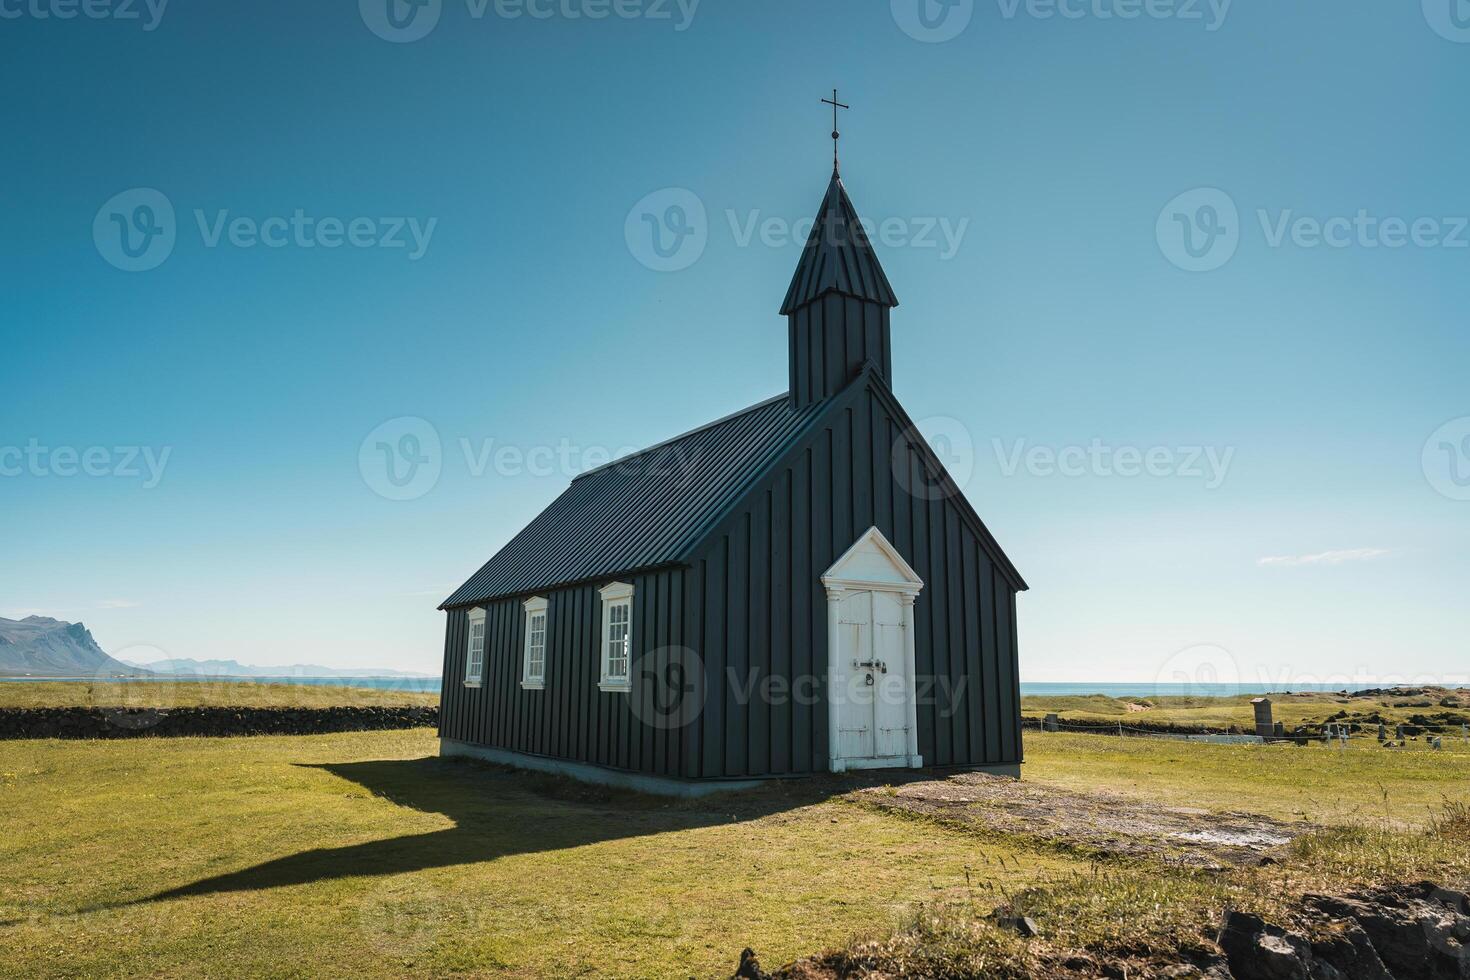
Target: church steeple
(838, 305)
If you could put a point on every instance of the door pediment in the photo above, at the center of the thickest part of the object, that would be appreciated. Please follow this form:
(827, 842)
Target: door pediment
(873, 563)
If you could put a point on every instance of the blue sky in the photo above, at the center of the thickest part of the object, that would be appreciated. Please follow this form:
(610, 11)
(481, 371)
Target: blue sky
(368, 229)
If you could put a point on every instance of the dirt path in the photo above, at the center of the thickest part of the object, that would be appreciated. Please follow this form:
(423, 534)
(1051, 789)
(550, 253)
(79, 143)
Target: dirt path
(1101, 821)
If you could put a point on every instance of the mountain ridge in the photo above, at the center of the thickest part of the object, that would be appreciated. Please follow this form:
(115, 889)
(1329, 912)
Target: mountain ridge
(39, 646)
(233, 668)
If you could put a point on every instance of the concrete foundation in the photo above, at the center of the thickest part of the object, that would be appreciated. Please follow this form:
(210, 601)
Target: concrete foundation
(598, 775)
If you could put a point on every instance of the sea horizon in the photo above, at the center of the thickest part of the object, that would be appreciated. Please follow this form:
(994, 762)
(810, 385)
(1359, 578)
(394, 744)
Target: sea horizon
(1115, 689)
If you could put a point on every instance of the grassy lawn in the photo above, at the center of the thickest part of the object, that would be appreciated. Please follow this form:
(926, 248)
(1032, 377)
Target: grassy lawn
(365, 854)
(188, 694)
(1326, 785)
(1294, 709)
(362, 854)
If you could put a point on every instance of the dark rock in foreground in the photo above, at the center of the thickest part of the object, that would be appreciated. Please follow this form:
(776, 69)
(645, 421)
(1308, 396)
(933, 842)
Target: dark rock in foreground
(1408, 932)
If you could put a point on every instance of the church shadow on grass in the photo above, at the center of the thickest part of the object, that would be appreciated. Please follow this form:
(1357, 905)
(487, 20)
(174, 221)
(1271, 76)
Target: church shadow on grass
(499, 812)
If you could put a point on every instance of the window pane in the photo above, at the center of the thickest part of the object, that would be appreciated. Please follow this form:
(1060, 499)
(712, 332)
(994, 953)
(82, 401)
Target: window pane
(475, 661)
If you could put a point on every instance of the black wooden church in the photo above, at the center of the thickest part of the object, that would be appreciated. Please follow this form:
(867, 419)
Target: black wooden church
(796, 588)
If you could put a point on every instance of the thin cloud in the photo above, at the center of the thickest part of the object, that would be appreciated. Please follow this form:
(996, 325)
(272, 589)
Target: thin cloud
(1341, 557)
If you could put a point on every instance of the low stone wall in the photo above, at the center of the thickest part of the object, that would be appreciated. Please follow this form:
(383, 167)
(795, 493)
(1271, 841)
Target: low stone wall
(1301, 733)
(209, 722)
(1098, 727)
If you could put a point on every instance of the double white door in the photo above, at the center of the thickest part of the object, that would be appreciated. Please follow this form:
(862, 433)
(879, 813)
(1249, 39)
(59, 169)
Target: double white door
(873, 688)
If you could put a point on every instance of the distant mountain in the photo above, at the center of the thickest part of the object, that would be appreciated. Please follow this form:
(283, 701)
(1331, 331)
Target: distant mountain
(233, 668)
(39, 646)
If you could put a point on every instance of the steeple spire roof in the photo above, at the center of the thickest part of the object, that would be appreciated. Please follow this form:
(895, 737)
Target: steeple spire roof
(838, 258)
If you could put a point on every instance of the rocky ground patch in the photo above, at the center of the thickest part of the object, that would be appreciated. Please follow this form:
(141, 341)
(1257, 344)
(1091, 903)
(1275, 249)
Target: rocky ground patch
(1406, 932)
(1106, 824)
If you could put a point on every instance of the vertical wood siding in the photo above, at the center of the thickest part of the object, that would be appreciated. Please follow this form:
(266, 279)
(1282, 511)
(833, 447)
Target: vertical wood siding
(829, 341)
(571, 718)
(752, 609)
(762, 610)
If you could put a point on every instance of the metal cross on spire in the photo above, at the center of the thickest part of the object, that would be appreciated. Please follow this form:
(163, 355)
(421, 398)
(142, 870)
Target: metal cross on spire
(835, 134)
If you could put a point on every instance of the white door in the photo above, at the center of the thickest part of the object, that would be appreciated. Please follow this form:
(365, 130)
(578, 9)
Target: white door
(872, 686)
(891, 704)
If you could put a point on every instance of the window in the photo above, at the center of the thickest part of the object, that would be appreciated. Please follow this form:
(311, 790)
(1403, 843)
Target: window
(617, 636)
(474, 662)
(533, 673)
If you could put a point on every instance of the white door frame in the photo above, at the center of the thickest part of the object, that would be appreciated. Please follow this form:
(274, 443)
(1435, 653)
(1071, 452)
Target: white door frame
(856, 571)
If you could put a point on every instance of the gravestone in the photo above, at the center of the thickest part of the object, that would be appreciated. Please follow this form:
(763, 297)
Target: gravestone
(1264, 726)
(1051, 724)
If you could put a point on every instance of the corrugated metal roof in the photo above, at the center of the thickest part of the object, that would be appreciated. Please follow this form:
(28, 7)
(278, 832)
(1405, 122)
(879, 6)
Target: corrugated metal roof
(642, 510)
(838, 258)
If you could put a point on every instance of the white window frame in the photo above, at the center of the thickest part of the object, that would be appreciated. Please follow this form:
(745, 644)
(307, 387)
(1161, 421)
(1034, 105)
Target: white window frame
(536, 608)
(618, 595)
(474, 673)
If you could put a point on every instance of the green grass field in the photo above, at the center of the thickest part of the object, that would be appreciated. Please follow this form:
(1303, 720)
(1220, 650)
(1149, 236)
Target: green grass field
(364, 854)
(1326, 785)
(189, 694)
(1293, 709)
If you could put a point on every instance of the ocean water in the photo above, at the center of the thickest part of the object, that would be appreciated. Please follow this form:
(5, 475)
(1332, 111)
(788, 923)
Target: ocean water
(418, 684)
(1143, 689)
(1150, 689)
